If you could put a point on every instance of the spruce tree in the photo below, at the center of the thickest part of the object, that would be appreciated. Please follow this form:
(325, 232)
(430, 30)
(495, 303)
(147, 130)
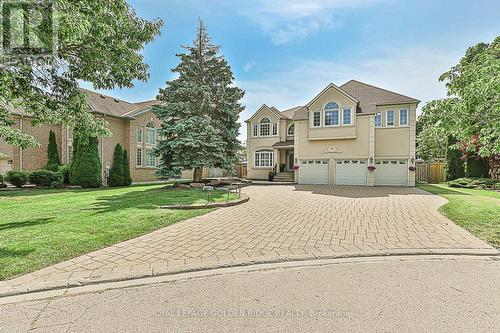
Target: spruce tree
(126, 170)
(53, 158)
(116, 173)
(86, 165)
(200, 112)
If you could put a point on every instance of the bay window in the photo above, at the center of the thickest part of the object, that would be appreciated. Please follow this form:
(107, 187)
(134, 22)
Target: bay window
(264, 158)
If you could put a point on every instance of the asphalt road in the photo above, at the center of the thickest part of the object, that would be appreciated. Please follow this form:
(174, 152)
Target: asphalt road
(397, 294)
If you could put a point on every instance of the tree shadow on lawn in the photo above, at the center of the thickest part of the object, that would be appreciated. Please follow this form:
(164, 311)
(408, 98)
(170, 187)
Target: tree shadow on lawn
(9, 253)
(24, 224)
(432, 188)
(146, 199)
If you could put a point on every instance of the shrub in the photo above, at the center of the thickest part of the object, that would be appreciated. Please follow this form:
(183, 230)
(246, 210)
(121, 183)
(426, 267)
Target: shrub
(476, 168)
(116, 172)
(64, 170)
(2, 184)
(17, 178)
(126, 169)
(86, 166)
(45, 177)
(52, 151)
(52, 167)
(476, 183)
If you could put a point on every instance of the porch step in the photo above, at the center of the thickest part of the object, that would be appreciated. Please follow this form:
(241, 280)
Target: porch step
(284, 177)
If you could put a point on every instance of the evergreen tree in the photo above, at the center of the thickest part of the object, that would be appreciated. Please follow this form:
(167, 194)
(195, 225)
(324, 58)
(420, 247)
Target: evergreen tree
(53, 158)
(200, 112)
(86, 165)
(116, 173)
(126, 169)
(454, 164)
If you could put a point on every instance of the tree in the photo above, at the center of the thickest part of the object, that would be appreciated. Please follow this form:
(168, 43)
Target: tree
(116, 176)
(86, 165)
(471, 113)
(98, 41)
(431, 142)
(52, 151)
(454, 164)
(200, 112)
(126, 169)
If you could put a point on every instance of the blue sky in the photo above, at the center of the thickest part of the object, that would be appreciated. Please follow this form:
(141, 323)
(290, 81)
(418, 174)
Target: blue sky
(284, 52)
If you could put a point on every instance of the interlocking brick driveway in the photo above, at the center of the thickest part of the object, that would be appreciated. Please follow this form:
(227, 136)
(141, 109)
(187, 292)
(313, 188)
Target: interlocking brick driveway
(278, 222)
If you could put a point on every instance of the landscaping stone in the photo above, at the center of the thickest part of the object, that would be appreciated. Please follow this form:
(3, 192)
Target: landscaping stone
(184, 186)
(197, 185)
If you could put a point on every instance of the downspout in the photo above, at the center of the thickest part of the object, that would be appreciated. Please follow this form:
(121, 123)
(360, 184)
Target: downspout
(21, 150)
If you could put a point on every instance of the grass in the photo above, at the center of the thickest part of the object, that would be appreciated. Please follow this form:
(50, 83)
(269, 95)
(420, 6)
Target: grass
(42, 227)
(477, 211)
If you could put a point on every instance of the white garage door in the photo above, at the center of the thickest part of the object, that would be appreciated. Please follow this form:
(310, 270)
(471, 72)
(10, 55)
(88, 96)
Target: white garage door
(350, 172)
(313, 172)
(391, 172)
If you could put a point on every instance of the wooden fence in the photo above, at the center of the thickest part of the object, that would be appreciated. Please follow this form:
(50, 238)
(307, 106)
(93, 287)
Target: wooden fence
(430, 172)
(241, 170)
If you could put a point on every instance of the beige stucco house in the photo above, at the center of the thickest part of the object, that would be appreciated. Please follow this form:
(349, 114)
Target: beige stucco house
(336, 138)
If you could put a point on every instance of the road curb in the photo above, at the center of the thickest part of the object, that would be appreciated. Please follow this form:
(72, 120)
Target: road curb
(150, 272)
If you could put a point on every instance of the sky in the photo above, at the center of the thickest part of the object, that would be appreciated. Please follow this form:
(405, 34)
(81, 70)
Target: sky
(284, 52)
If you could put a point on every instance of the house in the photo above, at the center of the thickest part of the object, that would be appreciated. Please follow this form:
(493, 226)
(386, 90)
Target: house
(133, 125)
(336, 138)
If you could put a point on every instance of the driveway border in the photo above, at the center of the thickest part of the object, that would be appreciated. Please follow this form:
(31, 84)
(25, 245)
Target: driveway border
(150, 272)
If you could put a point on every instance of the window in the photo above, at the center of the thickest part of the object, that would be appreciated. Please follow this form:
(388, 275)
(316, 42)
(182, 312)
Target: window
(150, 133)
(263, 158)
(403, 117)
(255, 130)
(346, 116)
(332, 114)
(265, 129)
(150, 158)
(390, 118)
(70, 154)
(378, 119)
(316, 119)
(138, 135)
(291, 129)
(138, 157)
(275, 129)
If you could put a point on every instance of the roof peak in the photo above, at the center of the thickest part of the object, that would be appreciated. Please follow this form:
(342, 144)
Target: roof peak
(373, 86)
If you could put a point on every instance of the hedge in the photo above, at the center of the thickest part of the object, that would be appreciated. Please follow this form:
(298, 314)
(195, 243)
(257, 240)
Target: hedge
(116, 177)
(476, 183)
(46, 178)
(16, 178)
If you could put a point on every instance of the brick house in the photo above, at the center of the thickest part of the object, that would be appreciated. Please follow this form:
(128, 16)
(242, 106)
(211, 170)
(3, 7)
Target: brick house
(133, 125)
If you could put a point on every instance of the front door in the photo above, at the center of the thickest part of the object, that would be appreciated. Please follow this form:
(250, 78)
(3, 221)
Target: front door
(289, 161)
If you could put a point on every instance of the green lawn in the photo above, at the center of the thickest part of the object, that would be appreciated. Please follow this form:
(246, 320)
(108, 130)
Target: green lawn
(477, 211)
(43, 227)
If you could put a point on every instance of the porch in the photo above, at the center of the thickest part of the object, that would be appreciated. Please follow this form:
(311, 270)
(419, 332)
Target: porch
(285, 160)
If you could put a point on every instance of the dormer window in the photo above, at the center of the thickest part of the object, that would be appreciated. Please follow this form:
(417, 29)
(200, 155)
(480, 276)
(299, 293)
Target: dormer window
(332, 114)
(265, 127)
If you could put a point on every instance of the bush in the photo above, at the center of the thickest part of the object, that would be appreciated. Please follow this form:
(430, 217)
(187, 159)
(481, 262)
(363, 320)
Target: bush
(64, 170)
(2, 184)
(454, 164)
(52, 167)
(52, 151)
(116, 173)
(476, 168)
(86, 166)
(45, 177)
(126, 169)
(476, 183)
(17, 178)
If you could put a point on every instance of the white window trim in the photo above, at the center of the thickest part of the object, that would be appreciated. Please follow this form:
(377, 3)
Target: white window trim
(375, 120)
(323, 111)
(142, 135)
(407, 117)
(146, 128)
(320, 119)
(350, 118)
(142, 157)
(393, 118)
(264, 150)
(288, 129)
(255, 134)
(339, 117)
(146, 159)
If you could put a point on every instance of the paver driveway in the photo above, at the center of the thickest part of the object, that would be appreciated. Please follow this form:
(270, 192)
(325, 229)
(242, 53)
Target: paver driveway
(278, 222)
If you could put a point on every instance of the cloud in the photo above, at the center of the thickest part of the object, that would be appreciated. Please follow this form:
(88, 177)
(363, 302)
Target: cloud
(248, 66)
(294, 20)
(413, 71)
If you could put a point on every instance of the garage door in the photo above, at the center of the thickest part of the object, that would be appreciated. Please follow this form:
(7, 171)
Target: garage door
(313, 172)
(391, 172)
(350, 172)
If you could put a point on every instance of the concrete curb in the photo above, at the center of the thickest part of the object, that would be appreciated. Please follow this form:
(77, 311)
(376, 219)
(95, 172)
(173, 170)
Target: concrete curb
(150, 272)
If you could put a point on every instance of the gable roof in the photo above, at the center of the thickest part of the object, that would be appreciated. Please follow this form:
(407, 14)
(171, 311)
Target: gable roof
(142, 107)
(289, 113)
(264, 107)
(332, 86)
(106, 104)
(370, 97)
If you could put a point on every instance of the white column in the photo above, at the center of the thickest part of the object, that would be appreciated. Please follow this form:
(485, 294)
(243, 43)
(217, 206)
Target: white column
(371, 149)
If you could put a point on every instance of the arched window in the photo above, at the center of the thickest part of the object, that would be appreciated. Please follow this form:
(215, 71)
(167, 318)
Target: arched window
(263, 158)
(151, 133)
(332, 114)
(291, 129)
(265, 127)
